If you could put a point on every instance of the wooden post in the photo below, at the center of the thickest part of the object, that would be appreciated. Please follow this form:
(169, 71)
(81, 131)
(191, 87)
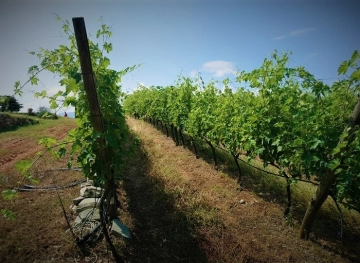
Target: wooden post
(87, 73)
(327, 181)
(95, 111)
(97, 122)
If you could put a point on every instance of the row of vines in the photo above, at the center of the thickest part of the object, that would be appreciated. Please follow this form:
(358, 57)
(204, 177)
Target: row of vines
(283, 115)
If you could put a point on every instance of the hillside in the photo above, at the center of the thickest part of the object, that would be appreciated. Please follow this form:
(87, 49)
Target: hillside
(179, 209)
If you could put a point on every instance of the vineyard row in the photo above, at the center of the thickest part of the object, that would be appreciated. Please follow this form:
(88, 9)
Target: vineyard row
(287, 118)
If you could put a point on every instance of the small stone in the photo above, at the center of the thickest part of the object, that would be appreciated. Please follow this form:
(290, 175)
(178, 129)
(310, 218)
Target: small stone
(77, 200)
(91, 191)
(73, 207)
(89, 214)
(242, 201)
(88, 203)
(85, 184)
(77, 220)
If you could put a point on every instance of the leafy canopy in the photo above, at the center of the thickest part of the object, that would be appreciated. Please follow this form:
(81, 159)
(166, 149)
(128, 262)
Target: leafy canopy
(10, 104)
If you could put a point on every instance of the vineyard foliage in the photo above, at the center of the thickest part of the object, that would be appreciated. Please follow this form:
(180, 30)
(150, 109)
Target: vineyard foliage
(84, 140)
(100, 151)
(283, 115)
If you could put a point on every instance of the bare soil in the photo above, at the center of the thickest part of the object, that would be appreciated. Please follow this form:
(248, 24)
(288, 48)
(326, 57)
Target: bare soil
(204, 206)
(38, 232)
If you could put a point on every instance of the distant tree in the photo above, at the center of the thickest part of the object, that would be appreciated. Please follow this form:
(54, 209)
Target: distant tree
(43, 110)
(31, 112)
(9, 103)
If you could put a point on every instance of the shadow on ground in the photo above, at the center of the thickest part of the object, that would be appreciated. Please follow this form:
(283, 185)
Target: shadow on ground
(160, 231)
(326, 228)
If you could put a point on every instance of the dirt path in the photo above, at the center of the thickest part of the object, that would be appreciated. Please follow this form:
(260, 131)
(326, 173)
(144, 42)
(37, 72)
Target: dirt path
(227, 230)
(178, 208)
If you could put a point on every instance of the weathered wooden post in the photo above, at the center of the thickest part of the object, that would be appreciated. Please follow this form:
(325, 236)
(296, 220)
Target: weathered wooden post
(327, 181)
(98, 125)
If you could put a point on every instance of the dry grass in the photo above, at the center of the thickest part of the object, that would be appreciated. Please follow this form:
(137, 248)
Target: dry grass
(178, 208)
(166, 183)
(40, 232)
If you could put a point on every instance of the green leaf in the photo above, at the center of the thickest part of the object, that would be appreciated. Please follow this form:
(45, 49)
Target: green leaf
(334, 164)
(9, 194)
(315, 144)
(62, 152)
(339, 170)
(276, 142)
(17, 88)
(77, 77)
(53, 104)
(41, 94)
(98, 32)
(355, 55)
(336, 150)
(292, 181)
(107, 47)
(315, 158)
(65, 28)
(63, 49)
(355, 76)
(289, 100)
(343, 68)
(33, 70)
(8, 214)
(23, 167)
(279, 124)
(47, 142)
(69, 164)
(34, 80)
(105, 63)
(17, 84)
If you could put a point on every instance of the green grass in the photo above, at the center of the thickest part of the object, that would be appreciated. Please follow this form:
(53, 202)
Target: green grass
(3, 151)
(35, 132)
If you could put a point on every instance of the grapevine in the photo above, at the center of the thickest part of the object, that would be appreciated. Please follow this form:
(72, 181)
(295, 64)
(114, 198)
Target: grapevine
(287, 117)
(84, 140)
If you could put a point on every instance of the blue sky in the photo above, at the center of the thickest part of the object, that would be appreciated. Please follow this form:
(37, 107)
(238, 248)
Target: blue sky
(169, 37)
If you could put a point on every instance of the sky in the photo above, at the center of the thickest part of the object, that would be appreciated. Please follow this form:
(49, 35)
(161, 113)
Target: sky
(172, 37)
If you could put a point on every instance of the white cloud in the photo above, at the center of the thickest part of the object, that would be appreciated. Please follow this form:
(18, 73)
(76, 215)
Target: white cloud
(218, 67)
(296, 33)
(280, 37)
(301, 32)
